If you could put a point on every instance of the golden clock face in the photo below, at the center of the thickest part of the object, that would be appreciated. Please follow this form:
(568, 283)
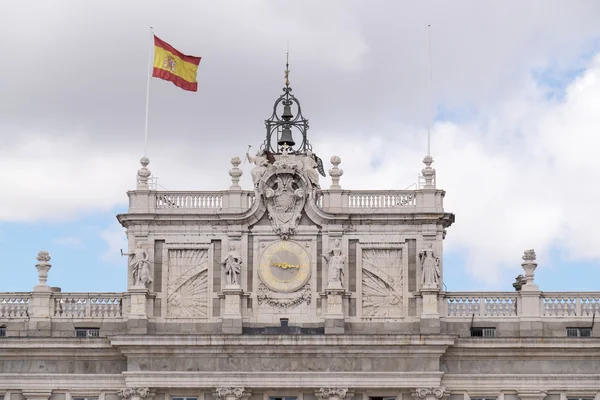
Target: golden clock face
(284, 266)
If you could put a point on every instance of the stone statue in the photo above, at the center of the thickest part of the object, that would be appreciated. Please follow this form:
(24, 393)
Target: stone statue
(261, 163)
(140, 266)
(430, 264)
(310, 165)
(233, 266)
(335, 260)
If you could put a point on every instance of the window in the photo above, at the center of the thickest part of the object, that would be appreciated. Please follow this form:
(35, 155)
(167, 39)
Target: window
(382, 398)
(483, 332)
(282, 398)
(2, 333)
(86, 333)
(579, 332)
(184, 398)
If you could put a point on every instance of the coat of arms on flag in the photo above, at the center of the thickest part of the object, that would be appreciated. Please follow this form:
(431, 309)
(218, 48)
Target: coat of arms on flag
(174, 66)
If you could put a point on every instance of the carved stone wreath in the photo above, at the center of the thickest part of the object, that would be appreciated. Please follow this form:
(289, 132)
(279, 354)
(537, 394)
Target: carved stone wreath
(264, 296)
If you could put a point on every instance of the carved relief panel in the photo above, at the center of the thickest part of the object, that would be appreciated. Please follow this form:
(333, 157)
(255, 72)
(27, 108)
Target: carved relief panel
(382, 283)
(187, 283)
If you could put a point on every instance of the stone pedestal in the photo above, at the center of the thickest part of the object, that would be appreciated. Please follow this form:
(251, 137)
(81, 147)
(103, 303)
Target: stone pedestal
(232, 316)
(39, 305)
(137, 318)
(530, 323)
(430, 315)
(334, 315)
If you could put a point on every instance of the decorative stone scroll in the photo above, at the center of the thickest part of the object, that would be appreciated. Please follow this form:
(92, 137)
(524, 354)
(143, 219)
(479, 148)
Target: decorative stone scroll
(333, 393)
(438, 393)
(133, 393)
(231, 393)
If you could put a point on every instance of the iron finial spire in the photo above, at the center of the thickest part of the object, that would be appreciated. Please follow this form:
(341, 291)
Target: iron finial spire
(287, 65)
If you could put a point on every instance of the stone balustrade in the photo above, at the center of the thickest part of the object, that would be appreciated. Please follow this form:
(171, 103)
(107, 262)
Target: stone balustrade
(14, 305)
(481, 304)
(456, 305)
(189, 200)
(336, 201)
(87, 305)
(506, 304)
(556, 304)
(382, 199)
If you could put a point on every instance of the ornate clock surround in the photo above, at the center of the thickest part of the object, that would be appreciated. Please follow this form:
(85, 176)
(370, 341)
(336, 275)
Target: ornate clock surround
(284, 266)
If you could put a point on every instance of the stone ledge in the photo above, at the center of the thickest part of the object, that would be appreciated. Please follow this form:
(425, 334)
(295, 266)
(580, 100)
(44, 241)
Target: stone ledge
(282, 380)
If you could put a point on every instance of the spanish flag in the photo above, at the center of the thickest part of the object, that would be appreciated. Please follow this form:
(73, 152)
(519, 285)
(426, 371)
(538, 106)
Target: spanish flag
(172, 65)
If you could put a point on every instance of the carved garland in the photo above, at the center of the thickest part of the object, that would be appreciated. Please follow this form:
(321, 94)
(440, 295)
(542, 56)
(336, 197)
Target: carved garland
(264, 296)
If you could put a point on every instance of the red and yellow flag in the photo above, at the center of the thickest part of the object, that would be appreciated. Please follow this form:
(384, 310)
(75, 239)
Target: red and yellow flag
(172, 65)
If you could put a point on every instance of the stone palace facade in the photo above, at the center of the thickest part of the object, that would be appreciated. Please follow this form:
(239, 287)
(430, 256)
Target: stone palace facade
(293, 291)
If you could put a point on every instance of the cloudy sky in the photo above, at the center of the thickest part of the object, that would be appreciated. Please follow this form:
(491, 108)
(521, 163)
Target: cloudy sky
(516, 98)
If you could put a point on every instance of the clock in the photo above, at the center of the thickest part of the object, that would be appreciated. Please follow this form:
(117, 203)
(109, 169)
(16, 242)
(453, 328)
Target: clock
(284, 266)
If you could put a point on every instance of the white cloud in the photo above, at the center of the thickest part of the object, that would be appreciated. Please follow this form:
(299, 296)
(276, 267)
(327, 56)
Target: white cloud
(115, 240)
(519, 171)
(521, 175)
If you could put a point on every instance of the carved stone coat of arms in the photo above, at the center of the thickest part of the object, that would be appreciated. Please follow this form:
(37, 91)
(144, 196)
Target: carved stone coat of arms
(285, 201)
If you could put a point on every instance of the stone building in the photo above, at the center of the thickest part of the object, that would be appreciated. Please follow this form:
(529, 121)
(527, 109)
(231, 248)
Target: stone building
(294, 291)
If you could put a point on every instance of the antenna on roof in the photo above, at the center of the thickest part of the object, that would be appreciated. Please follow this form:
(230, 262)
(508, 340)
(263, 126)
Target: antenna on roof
(428, 173)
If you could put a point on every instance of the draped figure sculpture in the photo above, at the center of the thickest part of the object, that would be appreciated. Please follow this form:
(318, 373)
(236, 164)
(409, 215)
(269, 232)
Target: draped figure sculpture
(139, 263)
(430, 266)
(335, 260)
(233, 266)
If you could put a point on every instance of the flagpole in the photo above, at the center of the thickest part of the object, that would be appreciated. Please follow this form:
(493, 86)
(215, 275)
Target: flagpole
(150, 63)
(430, 116)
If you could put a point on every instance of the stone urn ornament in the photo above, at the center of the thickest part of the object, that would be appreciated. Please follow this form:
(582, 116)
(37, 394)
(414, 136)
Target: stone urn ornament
(43, 266)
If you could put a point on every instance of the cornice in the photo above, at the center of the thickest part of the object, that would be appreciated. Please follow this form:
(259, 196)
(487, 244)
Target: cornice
(29, 381)
(478, 383)
(282, 380)
(255, 345)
